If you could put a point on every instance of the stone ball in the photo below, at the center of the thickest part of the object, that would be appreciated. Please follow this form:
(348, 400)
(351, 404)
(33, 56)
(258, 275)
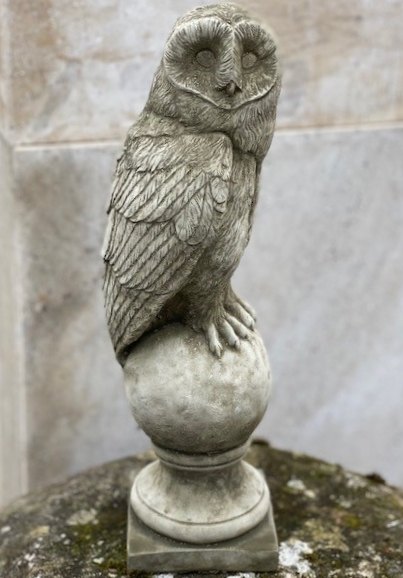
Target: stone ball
(186, 399)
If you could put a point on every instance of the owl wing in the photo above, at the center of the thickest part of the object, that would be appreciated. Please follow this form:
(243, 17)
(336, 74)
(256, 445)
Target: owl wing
(167, 198)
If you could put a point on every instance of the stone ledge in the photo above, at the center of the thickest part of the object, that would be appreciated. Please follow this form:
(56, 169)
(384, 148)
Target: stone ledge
(331, 523)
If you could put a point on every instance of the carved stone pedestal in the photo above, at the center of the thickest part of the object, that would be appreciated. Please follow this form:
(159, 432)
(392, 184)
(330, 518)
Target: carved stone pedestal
(346, 525)
(254, 551)
(200, 499)
(200, 412)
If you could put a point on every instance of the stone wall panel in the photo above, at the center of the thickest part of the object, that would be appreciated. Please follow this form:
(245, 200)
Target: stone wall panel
(81, 70)
(77, 414)
(324, 254)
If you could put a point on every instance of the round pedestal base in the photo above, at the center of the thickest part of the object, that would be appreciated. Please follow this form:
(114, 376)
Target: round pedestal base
(200, 499)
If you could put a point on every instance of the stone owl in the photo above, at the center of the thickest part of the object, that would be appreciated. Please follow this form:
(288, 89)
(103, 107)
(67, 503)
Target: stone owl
(187, 182)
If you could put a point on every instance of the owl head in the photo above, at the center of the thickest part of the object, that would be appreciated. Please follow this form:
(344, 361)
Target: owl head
(222, 55)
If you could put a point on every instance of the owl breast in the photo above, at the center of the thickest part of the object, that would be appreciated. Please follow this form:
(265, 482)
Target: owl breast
(221, 258)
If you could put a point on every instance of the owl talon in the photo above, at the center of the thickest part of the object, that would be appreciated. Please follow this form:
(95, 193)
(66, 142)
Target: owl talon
(231, 324)
(249, 309)
(241, 315)
(238, 327)
(230, 336)
(247, 319)
(214, 341)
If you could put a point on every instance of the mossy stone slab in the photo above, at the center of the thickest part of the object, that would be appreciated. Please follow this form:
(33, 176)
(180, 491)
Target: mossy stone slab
(331, 523)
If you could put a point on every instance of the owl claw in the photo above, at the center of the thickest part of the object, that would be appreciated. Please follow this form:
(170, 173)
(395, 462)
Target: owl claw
(247, 314)
(231, 325)
(242, 317)
(222, 329)
(228, 332)
(249, 309)
(238, 327)
(248, 320)
(214, 341)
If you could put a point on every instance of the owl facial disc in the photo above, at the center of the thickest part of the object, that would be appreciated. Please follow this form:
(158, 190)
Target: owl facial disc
(227, 62)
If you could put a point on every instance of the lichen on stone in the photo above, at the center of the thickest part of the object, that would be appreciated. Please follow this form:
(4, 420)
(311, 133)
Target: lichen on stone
(331, 523)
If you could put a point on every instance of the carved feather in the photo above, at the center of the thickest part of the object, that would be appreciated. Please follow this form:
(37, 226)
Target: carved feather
(167, 197)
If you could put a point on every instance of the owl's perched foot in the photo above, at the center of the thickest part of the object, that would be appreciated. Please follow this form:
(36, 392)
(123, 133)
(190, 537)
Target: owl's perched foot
(229, 330)
(233, 323)
(241, 311)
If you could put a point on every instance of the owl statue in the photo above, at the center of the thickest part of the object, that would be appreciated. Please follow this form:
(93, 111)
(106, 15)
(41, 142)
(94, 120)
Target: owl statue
(187, 182)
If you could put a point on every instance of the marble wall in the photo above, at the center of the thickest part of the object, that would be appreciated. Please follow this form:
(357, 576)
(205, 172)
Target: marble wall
(323, 268)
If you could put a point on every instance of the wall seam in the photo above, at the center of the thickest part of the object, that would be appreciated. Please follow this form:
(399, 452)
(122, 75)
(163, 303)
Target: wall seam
(6, 64)
(77, 144)
(20, 339)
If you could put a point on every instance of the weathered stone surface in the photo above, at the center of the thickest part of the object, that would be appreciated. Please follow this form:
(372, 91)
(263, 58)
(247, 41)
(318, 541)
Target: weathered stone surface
(4, 60)
(200, 412)
(73, 386)
(331, 523)
(187, 400)
(341, 59)
(13, 479)
(325, 259)
(256, 550)
(81, 70)
(179, 220)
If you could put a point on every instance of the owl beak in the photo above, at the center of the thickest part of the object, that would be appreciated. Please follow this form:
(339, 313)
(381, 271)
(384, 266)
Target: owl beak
(231, 88)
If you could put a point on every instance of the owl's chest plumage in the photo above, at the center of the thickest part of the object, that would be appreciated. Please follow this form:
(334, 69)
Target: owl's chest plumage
(232, 228)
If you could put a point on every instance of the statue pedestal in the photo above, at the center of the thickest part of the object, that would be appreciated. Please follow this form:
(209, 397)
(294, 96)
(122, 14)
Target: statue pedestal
(200, 412)
(254, 551)
(330, 522)
(200, 499)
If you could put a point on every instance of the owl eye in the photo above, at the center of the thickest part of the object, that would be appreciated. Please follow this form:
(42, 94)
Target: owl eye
(249, 59)
(205, 58)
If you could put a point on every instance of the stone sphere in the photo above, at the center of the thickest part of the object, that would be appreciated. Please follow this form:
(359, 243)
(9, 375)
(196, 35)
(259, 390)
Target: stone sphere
(188, 400)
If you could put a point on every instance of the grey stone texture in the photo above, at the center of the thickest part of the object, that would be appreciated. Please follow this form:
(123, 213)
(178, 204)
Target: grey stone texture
(82, 71)
(189, 401)
(331, 523)
(187, 181)
(330, 233)
(13, 470)
(200, 411)
(324, 254)
(253, 551)
(70, 374)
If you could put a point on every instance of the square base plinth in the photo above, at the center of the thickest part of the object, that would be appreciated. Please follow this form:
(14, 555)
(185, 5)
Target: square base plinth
(147, 551)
